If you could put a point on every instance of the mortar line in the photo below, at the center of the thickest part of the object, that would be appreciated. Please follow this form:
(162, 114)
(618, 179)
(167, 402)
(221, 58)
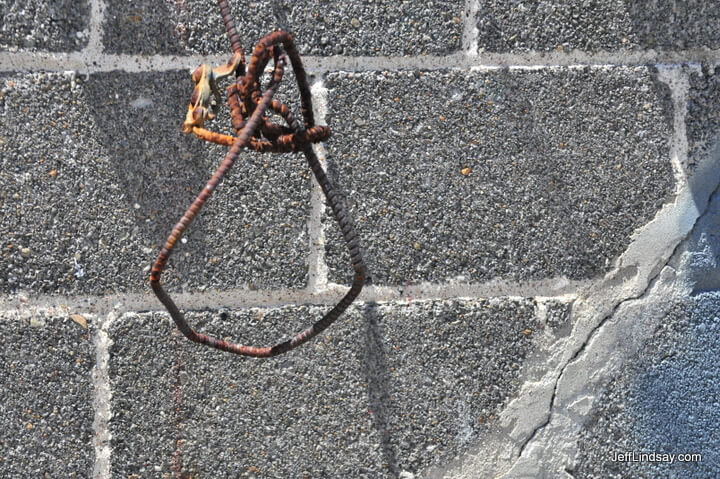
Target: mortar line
(101, 341)
(94, 47)
(470, 33)
(94, 62)
(677, 80)
(102, 394)
(317, 268)
(237, 299)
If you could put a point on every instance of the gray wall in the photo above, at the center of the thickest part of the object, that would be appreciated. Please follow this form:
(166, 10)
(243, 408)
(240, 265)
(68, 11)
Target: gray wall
(534, 186)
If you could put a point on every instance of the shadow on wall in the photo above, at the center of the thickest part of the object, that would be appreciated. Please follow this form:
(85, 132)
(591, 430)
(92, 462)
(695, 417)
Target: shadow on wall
(676, 400)
(158, 169)
(138, 121)
(377, 375)
(703, 121)
(251, 234)
(703, 259)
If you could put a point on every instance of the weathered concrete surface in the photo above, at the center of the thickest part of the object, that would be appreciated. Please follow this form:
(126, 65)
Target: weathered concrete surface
(390, 388)
(319, 28)
(46, 396)
(666, 400)
(96, 171)
(510, 26)
(40, 25)
(542, 425)
(467, 177)
(552, 195)
(703, 115)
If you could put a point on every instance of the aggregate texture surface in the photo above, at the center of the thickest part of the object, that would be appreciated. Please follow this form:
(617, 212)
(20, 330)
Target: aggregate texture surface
(517, 174)
(390, 388)
(37, 25)
(666, 401)
(703, 113)
(460, 177)
(319, 27)
(46, 396)
(591, 25)
(96, 171)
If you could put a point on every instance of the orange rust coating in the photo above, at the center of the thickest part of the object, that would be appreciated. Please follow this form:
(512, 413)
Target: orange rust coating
(283, 143)
(213, 137)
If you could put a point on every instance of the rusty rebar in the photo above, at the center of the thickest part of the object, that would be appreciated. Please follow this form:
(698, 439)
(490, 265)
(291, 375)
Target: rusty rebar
(248, 105)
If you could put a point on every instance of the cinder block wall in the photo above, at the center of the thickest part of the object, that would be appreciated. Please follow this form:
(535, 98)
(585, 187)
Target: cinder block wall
(534, 185)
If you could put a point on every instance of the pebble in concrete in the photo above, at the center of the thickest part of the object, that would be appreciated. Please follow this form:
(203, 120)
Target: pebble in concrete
(58, 26)
(591, 26)
(389, 389)
(95, 172)
(320, 28)
(46, 396)
(519, 174)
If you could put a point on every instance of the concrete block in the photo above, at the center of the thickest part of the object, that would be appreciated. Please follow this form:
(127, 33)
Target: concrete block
(515, 27)
(96, 171)
(389, 388)
(319, 28)
(665, 402)
(703, 114)
(57, 26)
(46, 411)
(518, 174)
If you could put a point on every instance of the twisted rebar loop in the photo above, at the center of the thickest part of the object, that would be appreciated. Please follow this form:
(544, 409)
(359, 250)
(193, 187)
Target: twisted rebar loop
(247, 109)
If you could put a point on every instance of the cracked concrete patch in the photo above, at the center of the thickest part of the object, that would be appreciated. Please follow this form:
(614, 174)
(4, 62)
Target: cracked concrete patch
(553, 447)
(583, 364)
(664, 401)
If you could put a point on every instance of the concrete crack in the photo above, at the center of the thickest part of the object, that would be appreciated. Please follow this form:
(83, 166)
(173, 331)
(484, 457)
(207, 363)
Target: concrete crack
(650, 284)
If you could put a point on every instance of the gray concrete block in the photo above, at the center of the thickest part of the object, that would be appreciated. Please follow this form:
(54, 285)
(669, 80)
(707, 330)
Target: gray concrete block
(510, 26)
(95, 172)
(703, 114)
(519, 174)
(37, 25)
(46, 396)
(388, 388)
(319, 28)
(665, 401)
